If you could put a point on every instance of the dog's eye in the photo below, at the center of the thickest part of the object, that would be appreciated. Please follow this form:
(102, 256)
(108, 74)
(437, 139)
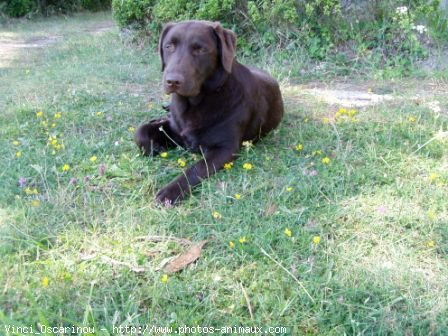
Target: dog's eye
(198, 50)
(169, 47)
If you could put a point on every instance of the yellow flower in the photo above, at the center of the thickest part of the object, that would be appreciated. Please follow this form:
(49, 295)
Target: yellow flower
(326, 160)
(306, 120)
(93, 158)
(228, 165)
(164, 154)
(288, 232)
(30, 191)
(54, 142)
(433, 177)
(298, 147)
(412, 119)
(316, 240)
(430, 244)
(237, 196)
(342, 110)
(164, 278)
(432, 215)
(16, 143)
(53, 125)
(39, 114)
(231, 244)
(44, 123)
(352, 112)
(58, 115)
(317, 152)
(326, 120)
(247, 166)
(216, 215)
(65, 167)
(35, 203)
(242, 240)
(45, 282)
(289, 189)
(131, 129)
(99, 114)
(18, 154)
(181, 162)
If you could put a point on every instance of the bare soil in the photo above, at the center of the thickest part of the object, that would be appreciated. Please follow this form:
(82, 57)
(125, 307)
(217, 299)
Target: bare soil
(11, 46)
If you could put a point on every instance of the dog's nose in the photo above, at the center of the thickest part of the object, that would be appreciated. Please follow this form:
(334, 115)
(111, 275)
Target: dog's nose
(174, 81)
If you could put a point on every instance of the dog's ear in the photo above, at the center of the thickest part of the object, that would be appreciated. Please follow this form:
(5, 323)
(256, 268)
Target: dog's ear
(165, 30)
(226, 45)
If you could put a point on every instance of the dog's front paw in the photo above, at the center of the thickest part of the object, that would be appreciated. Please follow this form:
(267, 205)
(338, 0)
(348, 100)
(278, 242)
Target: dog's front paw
(170, 194)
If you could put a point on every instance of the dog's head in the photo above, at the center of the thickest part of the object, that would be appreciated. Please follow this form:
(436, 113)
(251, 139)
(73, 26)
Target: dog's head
(194, 52)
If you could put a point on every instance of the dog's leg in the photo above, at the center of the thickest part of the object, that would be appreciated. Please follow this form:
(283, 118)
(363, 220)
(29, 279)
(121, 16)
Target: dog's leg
(180, 187)
(156, 136)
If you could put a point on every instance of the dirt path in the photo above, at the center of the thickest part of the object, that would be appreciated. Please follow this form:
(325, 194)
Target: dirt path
(12, 44)
(358, 94)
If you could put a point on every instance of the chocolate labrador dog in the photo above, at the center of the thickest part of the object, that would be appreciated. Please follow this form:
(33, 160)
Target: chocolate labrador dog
(216, 103)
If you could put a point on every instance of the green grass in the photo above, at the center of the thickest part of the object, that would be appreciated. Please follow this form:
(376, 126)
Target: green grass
(72, 254)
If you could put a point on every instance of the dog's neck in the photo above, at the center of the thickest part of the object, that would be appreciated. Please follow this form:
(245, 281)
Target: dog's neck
(183, 104)
(215, 82)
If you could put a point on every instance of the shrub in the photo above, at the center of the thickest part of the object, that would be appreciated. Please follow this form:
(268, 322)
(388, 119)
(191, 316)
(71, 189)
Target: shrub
(135, 12)
(20, 8)
(320, 27)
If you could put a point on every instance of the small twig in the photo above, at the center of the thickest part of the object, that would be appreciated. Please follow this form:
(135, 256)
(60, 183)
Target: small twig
(246, 297)
(325, 196)
(160, 239)
(111, 261)
(440, 135)
(288, 272)
(337, 133)
(161, 129)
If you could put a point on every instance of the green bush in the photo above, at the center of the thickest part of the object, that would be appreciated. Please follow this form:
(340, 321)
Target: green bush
(323, 28)
(20, 8)
(127, 12)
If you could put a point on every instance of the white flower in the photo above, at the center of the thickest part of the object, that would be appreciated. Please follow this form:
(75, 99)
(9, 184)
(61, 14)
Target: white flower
(420, 28)
(401, 10)
(434, 106)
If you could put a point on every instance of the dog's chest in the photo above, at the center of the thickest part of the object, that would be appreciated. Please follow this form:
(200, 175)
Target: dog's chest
(189, 126)
(196, 122)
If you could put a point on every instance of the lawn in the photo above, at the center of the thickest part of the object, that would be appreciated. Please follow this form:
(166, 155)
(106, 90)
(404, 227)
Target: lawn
(340, 227)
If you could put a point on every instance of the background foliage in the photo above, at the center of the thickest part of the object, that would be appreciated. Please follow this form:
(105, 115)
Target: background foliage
(384, 32)
(21, 8)
(390, 34)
